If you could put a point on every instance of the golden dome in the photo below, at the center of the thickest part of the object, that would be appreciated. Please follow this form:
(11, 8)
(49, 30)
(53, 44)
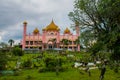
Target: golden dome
(52, 27)
(36, 31)
(25, 22)
(66, 31)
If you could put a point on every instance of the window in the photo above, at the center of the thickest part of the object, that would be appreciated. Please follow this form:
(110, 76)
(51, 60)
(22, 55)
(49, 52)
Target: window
(36, 42)
(27, 42)
(31, 42)
(70, 47)
(74, 42)
(31, 47)
(26, 47)
(70, 42)
(50, 46)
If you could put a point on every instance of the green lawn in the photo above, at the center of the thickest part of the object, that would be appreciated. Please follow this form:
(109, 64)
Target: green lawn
(71, 74)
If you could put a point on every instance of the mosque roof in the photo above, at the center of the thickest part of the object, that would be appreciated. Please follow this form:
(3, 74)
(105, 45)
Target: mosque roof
(66, 31)
(36, 31)
(52, 27)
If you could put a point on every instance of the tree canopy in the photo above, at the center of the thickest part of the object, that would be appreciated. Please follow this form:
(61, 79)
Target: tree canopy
(101, 19)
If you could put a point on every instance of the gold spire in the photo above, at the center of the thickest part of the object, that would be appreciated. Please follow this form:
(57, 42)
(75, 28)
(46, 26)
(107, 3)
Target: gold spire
(52, 27)
(36, 31)
(25, 22)
(66, 31)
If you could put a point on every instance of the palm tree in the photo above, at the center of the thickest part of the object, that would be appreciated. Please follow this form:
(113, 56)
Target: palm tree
(11, 42)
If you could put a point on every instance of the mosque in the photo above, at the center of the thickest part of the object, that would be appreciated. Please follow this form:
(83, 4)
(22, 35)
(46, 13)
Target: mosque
(50, 38)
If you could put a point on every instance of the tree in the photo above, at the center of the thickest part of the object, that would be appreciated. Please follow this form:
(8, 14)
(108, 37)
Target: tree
(87, 39)
(11, 42)
(102, 18)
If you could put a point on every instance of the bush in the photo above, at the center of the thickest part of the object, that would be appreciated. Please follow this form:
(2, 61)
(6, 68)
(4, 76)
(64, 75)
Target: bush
(27, 64)
(17, 51)
(3, 61)
(50, 64)
(53, 62)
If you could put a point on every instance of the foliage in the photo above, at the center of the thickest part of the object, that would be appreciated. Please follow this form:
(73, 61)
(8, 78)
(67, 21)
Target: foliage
(65, 70)
(101, 18)
(17, 51)
(27, 64)
(114, 65)
(65, 42)
(11, 42)
(3, 61)
(52, 62)
(87, 39)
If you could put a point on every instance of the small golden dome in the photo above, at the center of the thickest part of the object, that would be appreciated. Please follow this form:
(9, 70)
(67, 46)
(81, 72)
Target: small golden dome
(52, 27)
(36, 31)
(25, 22)
(66, 31)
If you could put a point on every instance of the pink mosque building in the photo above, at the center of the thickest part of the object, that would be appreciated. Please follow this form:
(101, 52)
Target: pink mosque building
(50, 38)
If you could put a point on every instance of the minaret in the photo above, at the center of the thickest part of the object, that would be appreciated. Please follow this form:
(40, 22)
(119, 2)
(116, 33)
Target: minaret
(77, 33)
(43, 38)
(58, 38)
(24, 33)
(77, 28)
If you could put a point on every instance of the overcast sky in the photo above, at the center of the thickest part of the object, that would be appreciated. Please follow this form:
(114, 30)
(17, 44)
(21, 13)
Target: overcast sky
(38, 13)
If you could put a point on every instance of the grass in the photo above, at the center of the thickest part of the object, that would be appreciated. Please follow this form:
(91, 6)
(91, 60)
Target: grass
(71, 74)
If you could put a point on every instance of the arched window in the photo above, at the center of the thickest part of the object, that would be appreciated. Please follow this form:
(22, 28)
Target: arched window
(51, 33)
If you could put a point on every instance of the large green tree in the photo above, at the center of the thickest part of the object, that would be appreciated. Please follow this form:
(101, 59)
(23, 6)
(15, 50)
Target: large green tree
(87, 39)
(101, 18)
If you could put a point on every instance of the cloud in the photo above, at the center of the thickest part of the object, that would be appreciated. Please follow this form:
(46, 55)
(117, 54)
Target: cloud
(38, 13)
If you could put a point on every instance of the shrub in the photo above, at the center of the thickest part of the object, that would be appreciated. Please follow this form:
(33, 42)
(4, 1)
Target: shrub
(3, 61)
(27, 64)
(54, 62)
(17, 51)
